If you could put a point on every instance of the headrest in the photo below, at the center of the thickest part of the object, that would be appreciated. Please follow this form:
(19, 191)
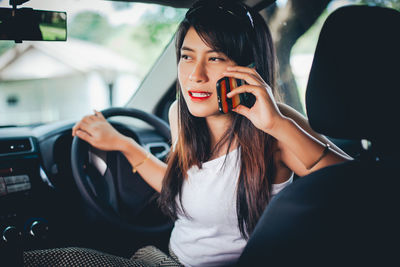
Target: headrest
(354, 84)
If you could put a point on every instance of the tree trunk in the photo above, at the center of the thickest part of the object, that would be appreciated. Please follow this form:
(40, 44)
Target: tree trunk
(287, 24)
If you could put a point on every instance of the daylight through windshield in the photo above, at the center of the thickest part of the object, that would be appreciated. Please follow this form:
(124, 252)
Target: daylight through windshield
(111, 46)
(109, 49)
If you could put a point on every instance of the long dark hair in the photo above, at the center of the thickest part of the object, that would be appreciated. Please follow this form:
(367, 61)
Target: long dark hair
(244, 40)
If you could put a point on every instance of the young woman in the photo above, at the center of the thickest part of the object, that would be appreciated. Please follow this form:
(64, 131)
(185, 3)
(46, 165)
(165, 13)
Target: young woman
(224, 168)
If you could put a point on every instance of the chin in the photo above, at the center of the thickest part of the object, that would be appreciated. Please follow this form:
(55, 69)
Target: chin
(203, 112)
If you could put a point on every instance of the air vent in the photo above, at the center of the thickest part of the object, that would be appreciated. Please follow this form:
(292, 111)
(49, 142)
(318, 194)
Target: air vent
(158, 149)
(15, 145)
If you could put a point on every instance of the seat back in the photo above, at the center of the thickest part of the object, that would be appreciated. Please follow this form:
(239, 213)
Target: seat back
(345, 214)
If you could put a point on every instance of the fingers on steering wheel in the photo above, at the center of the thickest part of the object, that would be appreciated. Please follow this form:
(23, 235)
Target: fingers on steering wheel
(76, 127)
(81, 126)
(89, 119)
(84, 123)
(84, 136)
(98, 114)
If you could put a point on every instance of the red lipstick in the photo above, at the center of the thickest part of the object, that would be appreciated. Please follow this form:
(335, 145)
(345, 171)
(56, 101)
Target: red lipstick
(199, 96)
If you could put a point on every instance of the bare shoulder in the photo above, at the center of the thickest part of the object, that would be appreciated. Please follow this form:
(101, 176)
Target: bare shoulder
(173, 110)
(173, 120)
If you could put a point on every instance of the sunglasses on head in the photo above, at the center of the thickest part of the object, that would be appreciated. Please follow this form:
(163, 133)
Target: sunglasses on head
(235, 9)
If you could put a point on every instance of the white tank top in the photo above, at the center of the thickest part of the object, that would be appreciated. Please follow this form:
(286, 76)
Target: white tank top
(211, 237)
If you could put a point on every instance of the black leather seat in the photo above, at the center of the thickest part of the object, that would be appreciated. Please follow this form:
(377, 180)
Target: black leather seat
(345, 214)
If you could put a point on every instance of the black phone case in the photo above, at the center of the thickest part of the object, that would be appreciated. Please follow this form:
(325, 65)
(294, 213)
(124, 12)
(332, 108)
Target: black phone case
(225, 104)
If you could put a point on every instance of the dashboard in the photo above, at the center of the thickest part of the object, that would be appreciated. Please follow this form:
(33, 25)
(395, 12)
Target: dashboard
(40, 205)
(23, 215)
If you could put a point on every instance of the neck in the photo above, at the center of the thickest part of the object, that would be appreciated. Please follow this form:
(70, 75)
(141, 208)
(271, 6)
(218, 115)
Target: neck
(218, 125)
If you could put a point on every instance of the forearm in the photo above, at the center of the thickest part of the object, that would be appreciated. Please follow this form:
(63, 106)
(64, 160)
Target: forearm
(305, 147)
(152, 170)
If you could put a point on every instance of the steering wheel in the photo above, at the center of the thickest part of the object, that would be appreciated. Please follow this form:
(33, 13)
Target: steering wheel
(106, 182)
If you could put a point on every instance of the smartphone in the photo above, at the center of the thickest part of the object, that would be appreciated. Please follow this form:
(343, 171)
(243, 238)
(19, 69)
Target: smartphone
(225, 104)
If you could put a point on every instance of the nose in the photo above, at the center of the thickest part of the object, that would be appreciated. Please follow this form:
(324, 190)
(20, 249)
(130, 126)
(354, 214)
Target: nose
(198, 73)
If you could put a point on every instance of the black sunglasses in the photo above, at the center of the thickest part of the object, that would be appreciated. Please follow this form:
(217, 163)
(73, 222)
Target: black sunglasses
(235, 9)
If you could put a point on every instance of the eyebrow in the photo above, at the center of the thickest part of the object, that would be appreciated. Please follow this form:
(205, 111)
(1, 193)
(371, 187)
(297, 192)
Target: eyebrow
(185, 48)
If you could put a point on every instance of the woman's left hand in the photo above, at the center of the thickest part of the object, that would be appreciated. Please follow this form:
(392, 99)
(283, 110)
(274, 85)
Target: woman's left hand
(264, 114)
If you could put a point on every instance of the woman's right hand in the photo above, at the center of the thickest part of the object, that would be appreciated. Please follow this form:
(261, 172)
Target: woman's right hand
(98, 132)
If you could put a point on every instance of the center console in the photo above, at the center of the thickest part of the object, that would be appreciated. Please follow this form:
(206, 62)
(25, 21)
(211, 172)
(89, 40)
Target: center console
(23, 223)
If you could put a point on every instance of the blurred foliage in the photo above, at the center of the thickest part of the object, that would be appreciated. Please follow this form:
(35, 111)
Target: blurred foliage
(121, 5)
(141, 43)
(90, 26)
(384, 3)
(306, 44)
(147, 40)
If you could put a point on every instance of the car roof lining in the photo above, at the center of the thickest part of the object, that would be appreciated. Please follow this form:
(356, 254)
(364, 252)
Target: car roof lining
(256, 4)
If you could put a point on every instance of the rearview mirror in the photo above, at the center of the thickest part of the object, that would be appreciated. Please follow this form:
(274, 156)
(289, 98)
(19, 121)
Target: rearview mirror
(33, 25)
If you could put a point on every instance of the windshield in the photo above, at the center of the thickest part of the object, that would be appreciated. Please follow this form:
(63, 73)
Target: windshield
(110, 48)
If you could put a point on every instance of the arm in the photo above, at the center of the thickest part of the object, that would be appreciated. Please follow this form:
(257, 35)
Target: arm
(302, 122)
(299, 148)
(155, 171)
(98, 132)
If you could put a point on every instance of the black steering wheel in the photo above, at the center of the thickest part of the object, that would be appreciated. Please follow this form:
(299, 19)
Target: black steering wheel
(107, 184)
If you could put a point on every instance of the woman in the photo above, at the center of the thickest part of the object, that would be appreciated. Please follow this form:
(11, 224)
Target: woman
(224, 168)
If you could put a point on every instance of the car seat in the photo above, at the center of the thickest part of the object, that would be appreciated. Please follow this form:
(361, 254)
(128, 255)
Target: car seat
(344, 214)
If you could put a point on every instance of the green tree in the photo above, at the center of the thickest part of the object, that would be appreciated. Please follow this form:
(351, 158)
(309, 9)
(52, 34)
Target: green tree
(144, 42)
(90, 26)
(289, 23)
(121, 5)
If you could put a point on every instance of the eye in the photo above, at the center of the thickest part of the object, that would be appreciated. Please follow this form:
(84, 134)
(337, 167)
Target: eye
(217, 59)
(185, 57)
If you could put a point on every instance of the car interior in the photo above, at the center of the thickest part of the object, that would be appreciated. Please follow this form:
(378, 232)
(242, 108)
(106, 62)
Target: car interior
(337, 216)
(338, 64)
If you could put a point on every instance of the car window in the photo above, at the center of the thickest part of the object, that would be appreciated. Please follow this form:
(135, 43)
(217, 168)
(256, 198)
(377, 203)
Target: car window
(112, 45)
(110, 48)
(295, 27)
(301, 54)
